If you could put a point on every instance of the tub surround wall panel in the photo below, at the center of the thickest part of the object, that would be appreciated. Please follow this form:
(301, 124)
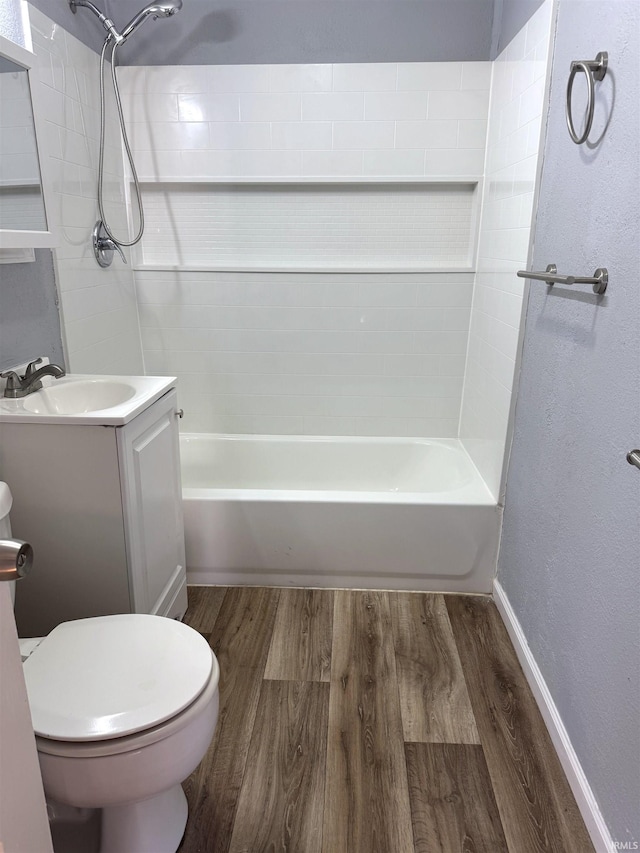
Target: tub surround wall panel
(515, 121)
(571, 539)
(509, 17)
(98, 306)
(387, 119)
(310, 353)
(330, 227)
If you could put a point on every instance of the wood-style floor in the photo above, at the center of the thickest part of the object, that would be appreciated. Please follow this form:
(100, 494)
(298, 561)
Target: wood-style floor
(372, 722)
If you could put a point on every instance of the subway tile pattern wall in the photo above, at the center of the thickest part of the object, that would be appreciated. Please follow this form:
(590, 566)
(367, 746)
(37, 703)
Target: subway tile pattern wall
(289, 226)
(354, 120)
(312, 353)
(515, 122)
(98, 306)
(316, 354)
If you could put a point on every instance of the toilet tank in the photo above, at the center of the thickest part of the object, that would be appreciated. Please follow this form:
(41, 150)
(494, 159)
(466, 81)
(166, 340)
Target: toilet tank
(5, 507)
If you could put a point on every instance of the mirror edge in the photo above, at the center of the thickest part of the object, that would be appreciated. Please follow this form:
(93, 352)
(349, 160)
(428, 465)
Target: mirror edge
(13, 239)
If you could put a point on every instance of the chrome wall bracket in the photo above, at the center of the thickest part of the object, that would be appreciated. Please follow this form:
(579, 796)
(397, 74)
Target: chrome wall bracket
(599, 280)
(633, 458)
(104, 246)
(593, 70)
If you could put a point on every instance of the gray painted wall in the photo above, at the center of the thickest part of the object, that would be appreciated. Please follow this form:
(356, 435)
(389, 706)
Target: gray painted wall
(570, 554)
(29, 319)
(272, 31)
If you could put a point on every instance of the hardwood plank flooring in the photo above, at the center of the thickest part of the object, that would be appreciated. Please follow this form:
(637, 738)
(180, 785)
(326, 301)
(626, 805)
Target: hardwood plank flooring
(372, 722)
(281, 802)
(434, 701)
(452, 802)
(533, 796)
(301, 642)
(204, 605)
(366, 797)
(240, 641)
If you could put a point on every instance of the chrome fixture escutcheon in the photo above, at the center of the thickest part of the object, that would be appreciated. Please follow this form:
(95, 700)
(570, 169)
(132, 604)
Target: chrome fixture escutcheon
(104, 246)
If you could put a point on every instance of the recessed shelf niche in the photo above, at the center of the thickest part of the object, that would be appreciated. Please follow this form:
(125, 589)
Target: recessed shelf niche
(350, 227)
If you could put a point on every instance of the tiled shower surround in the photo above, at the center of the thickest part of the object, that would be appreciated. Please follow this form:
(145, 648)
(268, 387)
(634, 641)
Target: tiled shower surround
(337, 343)
(98, 306)
(336, 354)
(513, 145)
(365, 350)
(336, 121)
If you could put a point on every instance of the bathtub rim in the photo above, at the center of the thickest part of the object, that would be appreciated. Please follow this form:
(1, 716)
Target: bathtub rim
(475, 493)
(341, 497)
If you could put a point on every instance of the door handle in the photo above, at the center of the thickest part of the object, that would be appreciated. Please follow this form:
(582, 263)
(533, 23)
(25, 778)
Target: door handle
(16, 559)
(633, 458)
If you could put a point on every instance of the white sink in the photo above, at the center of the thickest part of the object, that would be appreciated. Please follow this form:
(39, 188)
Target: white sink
(75, 398)
(87, 399)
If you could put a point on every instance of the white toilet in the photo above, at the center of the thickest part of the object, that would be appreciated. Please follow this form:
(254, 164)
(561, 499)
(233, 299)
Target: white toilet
(124, 708)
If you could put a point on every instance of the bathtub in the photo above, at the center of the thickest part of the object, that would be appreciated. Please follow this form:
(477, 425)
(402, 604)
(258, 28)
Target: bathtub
(367, 513)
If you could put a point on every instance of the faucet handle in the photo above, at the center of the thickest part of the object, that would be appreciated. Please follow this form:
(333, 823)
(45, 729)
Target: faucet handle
(14, 383)
(31, 368)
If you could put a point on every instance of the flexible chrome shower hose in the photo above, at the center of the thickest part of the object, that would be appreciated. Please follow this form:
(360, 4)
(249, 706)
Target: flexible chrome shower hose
(127, 147)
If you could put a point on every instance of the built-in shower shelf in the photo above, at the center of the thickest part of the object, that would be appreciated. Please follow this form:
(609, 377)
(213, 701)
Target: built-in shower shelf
(313, 179)
(294, 269)
(287, 226)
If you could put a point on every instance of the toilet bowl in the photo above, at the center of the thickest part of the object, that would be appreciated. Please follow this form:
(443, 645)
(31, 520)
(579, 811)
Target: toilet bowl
(124, 708)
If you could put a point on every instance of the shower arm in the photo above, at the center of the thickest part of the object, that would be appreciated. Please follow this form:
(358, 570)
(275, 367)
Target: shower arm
(107, 23)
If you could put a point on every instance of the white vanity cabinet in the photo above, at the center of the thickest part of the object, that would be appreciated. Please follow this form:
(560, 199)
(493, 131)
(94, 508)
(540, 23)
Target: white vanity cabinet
(102, 507)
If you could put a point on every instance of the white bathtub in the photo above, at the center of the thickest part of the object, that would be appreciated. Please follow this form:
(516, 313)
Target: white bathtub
(377, 513)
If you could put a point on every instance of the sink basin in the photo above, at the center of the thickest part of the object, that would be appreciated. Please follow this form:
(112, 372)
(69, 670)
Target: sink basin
(74, 398)
(86, 398)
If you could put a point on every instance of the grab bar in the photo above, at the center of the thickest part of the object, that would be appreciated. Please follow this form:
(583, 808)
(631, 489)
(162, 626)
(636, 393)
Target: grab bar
(599, 280)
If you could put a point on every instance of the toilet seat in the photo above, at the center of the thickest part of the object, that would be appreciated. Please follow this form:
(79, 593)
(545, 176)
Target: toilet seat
(139, 740)
(110, 677)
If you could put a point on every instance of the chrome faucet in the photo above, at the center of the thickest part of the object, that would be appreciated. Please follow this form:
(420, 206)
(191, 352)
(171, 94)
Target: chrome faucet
(19, 386)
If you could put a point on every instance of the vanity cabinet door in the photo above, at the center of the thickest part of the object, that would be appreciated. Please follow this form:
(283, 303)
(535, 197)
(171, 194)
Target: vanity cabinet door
(149, 460)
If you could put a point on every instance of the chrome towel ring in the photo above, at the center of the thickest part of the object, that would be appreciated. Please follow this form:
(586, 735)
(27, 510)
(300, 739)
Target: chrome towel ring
(594, 70)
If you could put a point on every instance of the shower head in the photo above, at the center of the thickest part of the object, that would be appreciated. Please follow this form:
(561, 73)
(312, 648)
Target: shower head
(165, 9)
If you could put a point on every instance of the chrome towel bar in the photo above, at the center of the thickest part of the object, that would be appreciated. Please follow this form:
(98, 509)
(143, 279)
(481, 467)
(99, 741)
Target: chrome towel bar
(593, 70)
(599, 280)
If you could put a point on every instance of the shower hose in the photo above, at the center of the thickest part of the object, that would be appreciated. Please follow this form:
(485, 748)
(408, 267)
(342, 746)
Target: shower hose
(127, 147)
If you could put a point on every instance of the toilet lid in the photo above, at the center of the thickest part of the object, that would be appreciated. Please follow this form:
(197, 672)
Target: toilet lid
(111, 676)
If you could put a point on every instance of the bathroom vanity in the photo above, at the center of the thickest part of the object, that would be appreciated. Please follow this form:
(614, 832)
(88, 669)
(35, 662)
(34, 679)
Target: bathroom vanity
(98, 495)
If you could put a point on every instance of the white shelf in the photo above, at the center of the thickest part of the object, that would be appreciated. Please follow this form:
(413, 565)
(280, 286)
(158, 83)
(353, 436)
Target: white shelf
(359, 270)
(20, 184)
(311, 179)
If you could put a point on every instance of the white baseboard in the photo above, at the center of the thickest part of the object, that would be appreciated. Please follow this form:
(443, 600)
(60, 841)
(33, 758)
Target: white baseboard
(585, 800)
